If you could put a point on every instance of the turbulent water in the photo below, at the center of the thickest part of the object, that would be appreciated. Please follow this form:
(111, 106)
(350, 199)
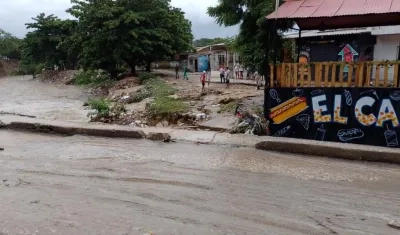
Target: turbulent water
(87, 185)
(23, 95)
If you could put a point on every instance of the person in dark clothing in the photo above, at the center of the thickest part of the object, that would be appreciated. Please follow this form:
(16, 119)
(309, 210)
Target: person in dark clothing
(177, 71)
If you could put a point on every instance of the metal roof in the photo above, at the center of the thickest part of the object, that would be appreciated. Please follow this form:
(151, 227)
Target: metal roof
(295, 9)
(316, 33)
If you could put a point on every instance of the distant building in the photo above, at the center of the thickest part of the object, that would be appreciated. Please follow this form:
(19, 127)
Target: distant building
(212, 56)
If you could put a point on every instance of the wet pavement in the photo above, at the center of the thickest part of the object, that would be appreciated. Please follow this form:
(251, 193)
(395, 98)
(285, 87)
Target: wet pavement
(88, 185)
(24, 95)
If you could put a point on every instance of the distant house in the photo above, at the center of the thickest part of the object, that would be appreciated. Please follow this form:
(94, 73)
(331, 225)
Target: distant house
(211, 56)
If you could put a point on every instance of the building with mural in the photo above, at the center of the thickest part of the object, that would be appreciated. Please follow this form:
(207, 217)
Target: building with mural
(343, 84)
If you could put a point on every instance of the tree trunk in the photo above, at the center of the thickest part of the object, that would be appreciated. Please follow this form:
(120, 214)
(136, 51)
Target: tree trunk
(148, 66)
(133, 68)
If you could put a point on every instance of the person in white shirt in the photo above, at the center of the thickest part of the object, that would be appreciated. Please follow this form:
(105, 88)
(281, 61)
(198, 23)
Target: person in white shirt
(222, 74)
(236, 69)
(241, 69)
(228, 75)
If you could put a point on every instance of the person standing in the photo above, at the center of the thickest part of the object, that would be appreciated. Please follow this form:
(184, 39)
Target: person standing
(203, 80)
(228, 74)
(222, 74)
(236, 69)
(185, 76)
(156, 66)
(177, 71)
(241, 69)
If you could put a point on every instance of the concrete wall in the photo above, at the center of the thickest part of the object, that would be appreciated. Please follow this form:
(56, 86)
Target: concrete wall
(386, 48)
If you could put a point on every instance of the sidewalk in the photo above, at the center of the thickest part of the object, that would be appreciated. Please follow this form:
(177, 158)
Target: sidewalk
(298, 146)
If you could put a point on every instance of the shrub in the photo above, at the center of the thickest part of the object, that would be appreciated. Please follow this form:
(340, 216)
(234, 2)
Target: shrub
(143, 77)
(229, 107)
(90, 77)
(101, 107)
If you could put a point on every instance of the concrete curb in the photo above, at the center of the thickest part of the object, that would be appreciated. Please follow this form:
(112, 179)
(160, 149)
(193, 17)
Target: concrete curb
(296, 146)
(71, 130)
(331, 150)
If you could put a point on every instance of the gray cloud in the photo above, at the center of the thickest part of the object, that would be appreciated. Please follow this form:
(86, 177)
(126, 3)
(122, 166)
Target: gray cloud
(15, 13)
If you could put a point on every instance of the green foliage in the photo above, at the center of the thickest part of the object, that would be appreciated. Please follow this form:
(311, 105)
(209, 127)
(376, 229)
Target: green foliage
(10, 45)
(44, 44)
(143, 77)
(253, 39)
(101, 107)
(126, 32)
(90, 77)
(164, 106)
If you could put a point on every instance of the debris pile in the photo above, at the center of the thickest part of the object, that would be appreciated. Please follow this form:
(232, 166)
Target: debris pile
(250, 122)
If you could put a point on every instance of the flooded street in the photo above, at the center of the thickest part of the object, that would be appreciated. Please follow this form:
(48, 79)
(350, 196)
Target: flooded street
(23, 95)
(87, 185)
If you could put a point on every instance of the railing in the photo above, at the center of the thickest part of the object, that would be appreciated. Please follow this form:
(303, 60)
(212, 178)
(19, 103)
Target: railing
(337, 74)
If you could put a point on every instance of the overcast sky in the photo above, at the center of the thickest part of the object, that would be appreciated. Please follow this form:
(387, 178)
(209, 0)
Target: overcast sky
(15, 13)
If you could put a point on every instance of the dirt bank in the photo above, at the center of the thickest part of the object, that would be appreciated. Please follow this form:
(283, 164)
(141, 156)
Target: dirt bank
(8, 67)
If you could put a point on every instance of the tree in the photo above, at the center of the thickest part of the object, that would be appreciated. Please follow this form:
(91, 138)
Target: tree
(9, 45)
(43, 45)
(119, 33)
(251, 42)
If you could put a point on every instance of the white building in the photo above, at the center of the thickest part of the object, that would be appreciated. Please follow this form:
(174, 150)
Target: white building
(216, 56)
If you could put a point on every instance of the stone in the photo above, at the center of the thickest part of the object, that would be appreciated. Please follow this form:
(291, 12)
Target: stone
(394, 224)
(165, 123)
(159, 124)
(157, 136)
(85, 104)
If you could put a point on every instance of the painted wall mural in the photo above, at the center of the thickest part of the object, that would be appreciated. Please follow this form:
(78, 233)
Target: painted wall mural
(348, 53)
(348, 115)
(203, 63)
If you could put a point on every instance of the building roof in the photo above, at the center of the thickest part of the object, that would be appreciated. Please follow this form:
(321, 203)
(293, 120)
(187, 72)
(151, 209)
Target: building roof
(384, 30)
(345, 10)
(317, 33)
(332, 8)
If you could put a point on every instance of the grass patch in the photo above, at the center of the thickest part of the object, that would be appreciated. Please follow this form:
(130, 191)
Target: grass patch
(91, 78)
(154, 87)
(163, 106)
(229, 107)
(158, 88)
(139, 95)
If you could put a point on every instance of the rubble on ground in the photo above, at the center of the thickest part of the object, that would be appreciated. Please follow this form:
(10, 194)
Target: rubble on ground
(66, 77)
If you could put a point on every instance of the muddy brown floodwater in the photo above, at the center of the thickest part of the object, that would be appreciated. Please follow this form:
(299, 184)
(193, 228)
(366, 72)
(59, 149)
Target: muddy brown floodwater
(23, 95)
(86, 185)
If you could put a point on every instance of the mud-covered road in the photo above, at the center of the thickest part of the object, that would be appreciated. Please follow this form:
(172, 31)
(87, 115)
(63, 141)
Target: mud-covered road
(85, 185)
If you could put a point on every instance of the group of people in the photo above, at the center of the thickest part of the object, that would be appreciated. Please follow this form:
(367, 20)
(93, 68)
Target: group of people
(225, 74)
